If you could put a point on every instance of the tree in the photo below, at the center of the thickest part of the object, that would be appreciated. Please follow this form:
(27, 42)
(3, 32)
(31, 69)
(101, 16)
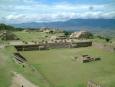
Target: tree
(107, 39)
(51, 32)
(66, 33)
(6, 27)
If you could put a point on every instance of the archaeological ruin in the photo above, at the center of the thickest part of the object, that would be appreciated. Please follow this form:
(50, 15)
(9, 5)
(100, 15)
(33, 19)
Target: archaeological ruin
(46, 46)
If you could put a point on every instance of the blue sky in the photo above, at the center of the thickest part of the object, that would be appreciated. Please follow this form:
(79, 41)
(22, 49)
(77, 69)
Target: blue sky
(21, 11)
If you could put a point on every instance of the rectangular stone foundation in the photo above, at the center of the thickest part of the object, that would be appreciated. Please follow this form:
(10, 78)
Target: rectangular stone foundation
(47, 46)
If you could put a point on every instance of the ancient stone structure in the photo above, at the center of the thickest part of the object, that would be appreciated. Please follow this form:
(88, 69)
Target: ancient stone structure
(92, 84)
(53, 38)
(29, 47)
(81, 35)
(59, 45)
(86, 58)
(19, 57)
(46, 46)
(81, 44)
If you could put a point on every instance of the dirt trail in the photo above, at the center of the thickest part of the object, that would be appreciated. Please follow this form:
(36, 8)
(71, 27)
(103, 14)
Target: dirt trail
(20, 81)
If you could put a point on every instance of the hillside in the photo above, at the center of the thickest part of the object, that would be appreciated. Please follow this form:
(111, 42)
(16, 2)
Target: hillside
(73, 24)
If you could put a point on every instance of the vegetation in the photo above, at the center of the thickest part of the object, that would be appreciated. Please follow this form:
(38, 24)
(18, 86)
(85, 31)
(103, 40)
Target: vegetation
(56, 67)
(8, 66)
(61, 70)
(34, 36)
(67, 33)
(6, 27)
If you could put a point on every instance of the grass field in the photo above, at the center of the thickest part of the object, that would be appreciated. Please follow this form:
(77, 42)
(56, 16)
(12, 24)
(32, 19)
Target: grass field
(56, 67)
(60, 70)
(34, 36)
(39, 36)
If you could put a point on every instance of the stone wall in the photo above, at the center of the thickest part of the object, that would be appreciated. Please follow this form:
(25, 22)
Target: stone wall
(58, 45)
(83, 44)
(47, 46)
(30, 47)
(93, 84)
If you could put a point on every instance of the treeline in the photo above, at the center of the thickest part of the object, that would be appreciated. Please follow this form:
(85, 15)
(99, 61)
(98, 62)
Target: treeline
(9, 27)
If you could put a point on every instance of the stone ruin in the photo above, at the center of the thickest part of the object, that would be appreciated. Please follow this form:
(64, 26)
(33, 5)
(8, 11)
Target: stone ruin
(55, 42)
(19, 58)
(93, 84)
(29, 47)
(81, 35)
(87, 58)
(46, 46)
(53, 38)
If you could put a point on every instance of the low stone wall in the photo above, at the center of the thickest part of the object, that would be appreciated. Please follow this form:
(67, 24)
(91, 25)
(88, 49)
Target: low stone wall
(83, 44)
(52, 46)
(104, 46)
(58, 45)
(30, 47)
(93, 84)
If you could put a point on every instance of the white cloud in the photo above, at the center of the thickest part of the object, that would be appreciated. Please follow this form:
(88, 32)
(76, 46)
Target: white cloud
(30, 10)
(21, 18)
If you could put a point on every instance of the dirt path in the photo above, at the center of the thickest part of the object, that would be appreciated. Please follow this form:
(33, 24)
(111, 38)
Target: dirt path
(20, 81)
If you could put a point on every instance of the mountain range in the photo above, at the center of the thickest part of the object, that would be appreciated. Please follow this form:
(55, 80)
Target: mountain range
(72, 24)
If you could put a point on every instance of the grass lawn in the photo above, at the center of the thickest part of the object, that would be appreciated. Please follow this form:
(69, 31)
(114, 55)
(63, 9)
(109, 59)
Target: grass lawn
(60, 70)
(34, 36)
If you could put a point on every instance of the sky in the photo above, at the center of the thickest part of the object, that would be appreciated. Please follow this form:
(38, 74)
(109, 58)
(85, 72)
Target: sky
(22, 11)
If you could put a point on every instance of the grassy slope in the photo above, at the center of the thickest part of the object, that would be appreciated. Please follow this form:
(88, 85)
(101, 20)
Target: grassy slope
(8, 65)
(57, 66)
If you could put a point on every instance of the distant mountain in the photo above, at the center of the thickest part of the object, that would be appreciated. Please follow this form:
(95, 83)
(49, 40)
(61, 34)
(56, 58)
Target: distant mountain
(73, 24)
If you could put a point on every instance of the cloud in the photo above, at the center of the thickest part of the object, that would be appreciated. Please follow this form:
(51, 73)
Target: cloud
(21, 18)
(33, 10)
